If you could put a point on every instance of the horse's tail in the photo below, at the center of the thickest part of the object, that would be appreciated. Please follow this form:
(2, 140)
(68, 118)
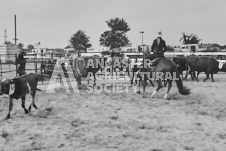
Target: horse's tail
(182, 90)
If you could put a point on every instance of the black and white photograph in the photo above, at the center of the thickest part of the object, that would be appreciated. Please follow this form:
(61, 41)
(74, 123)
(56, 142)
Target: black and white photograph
(112, 75)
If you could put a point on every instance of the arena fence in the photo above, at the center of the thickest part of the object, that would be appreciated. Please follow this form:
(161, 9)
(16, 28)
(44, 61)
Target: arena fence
(34, 62)
(37, 63)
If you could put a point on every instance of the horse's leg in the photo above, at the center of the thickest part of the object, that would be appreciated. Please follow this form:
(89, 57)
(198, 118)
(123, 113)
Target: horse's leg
(207, 77)
(169, 87)
(159, 87)
(165, 83)
(94, 79)
(144, 83)
(152, 83)
(182, 77)
(138, 79)
(212, 77)
(139, 86)
(131, 81)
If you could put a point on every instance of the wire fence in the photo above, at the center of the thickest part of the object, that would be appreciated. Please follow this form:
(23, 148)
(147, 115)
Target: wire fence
(41, 64)
(35, 63)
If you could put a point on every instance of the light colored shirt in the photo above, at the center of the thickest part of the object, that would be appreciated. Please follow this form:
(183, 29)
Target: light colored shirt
(79, 65)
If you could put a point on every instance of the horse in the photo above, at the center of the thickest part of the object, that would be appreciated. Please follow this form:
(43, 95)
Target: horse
(204, 64)
(165, 66)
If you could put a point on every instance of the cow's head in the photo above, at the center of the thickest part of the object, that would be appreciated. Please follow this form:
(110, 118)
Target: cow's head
(4, 86)
(223, 67)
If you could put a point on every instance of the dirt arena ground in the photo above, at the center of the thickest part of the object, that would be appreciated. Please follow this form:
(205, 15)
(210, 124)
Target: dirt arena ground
(119, 121)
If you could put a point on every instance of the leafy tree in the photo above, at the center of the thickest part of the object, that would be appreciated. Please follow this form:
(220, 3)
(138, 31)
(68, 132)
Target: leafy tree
(8, 42)
(80, 41)
(67, 47)
(116, 36)
(169, 48)
(20, 46)
(223, 47)
(189, 39)
(30, 47)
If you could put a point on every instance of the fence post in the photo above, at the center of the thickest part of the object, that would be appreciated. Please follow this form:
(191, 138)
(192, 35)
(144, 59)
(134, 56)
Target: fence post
(16, 63)
(35, 63)
(1, 64)
(9, 62)
(42, 71)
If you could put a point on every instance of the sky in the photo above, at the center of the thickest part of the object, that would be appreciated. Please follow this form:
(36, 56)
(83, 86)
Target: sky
(53, 22)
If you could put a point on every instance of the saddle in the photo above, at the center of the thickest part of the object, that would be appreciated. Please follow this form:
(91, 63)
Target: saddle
(155, 61)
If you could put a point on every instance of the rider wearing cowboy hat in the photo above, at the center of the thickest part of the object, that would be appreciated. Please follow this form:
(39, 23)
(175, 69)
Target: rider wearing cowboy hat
(158, 47)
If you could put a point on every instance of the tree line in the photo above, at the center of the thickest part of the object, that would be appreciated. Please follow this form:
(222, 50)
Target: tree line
(115, 37)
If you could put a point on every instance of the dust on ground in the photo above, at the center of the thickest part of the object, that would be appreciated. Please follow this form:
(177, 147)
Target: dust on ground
(119, 121)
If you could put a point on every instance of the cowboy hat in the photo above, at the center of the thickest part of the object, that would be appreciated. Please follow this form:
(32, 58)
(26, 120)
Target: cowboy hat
(159, 34)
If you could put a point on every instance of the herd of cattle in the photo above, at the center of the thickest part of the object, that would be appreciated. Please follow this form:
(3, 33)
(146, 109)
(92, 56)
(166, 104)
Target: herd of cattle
(191, 65)
(19, 87)
(195, 64)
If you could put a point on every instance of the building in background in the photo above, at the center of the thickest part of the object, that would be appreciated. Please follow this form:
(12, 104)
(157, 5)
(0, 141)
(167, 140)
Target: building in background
(8, 51)
(198, 48)
(39, 50)
(98, 49)
(210, 47)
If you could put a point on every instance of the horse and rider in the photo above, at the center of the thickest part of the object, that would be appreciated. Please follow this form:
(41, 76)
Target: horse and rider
(158, 47)
(160, 64)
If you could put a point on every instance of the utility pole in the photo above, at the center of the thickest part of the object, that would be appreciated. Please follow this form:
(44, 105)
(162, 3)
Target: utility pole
(15, 29)
(142, 32)
(5, 35)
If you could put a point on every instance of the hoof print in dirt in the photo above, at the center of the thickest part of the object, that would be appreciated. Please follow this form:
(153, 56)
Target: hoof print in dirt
(76, 122)
(114, 117)
(61, 145)
(144, 96)
(49, 109)
(43, 114)
(4, 134)
(142, 126)
(189, 148)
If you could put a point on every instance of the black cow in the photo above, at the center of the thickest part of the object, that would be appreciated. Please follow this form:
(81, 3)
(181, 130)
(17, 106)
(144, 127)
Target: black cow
(204, 64)
(182, 65)
(18, 88)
